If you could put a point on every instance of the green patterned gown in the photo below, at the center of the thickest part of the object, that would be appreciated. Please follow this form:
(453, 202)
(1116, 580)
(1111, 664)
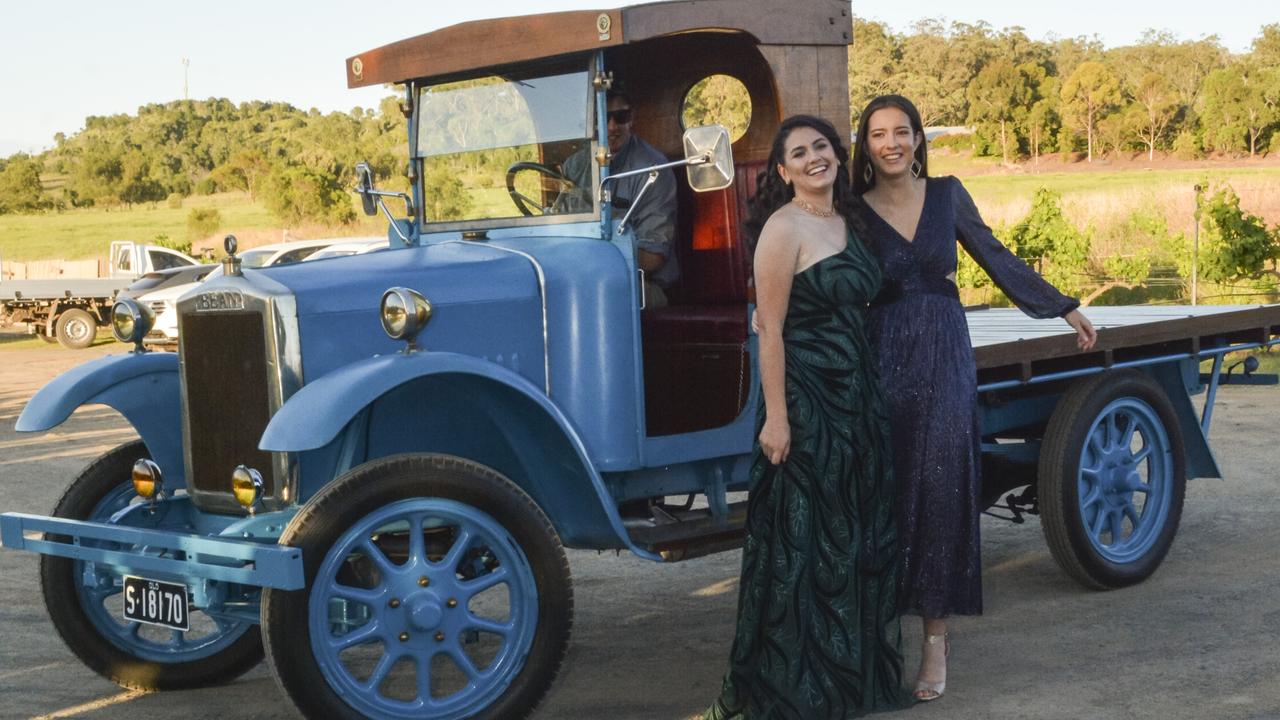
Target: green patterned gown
(818, 635)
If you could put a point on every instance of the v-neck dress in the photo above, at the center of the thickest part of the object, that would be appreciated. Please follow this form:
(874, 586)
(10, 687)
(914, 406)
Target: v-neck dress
(817, 633)
(918, 329)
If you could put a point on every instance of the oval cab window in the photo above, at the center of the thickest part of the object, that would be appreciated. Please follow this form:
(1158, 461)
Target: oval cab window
(719, 99)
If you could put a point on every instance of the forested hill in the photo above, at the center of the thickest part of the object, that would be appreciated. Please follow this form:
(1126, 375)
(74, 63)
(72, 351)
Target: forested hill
(1025, 97)
(294, 159)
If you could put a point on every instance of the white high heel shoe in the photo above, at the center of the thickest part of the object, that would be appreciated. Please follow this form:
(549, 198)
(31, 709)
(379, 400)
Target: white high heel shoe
(927, 691)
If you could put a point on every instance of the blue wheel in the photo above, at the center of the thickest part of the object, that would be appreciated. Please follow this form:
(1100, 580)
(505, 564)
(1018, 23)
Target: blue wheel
(1112, 479)
(85, 603)
(436, 589)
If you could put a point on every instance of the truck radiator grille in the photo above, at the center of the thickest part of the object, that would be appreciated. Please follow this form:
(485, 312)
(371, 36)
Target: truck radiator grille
(228, 396)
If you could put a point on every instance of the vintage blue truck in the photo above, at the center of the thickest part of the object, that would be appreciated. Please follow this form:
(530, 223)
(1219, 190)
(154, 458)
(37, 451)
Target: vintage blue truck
(369, 467)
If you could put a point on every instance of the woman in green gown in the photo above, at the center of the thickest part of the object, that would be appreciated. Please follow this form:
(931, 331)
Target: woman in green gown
(817, 633)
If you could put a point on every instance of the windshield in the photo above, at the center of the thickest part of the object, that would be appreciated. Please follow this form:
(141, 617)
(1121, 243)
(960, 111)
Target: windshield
(507, 146)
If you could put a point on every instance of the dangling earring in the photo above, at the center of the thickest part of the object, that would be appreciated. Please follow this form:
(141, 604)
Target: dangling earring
(916, 167)
(868, 174)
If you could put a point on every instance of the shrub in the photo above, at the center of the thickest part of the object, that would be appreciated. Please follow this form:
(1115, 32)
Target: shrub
(203, 222)
(206, 186)
(174, 201)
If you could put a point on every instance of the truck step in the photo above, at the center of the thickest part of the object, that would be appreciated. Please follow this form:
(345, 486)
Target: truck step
(687, 534)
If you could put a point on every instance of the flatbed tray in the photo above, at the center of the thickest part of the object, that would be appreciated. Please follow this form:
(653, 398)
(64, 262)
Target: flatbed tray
(1011, 347)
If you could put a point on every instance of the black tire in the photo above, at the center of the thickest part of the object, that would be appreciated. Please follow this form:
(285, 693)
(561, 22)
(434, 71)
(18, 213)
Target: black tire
(1059, 475)
(371, 487)
(82, 635)
(76, 328)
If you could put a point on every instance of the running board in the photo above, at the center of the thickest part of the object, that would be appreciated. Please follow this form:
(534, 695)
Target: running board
(687, 534)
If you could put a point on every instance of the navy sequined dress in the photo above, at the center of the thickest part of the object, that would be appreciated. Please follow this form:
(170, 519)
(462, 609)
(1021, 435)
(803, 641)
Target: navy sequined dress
(918, 328)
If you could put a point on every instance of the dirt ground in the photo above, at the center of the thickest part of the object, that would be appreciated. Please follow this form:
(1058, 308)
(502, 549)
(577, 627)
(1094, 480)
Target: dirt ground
(1198, 640)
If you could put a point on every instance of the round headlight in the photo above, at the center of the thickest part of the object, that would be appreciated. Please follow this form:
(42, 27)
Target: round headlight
(404, 313)
(246, 485)
(147, 480)
(131, 320)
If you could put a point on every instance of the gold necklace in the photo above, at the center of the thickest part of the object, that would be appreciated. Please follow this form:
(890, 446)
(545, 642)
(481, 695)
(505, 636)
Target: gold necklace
(813, 210)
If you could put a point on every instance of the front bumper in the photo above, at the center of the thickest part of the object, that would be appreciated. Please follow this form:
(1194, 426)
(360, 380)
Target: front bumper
(158, 554)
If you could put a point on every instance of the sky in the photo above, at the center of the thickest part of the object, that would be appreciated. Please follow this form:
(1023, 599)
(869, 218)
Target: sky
(70, 59)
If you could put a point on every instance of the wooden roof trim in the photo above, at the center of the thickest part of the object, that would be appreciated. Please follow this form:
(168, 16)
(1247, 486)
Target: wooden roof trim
(503, 41)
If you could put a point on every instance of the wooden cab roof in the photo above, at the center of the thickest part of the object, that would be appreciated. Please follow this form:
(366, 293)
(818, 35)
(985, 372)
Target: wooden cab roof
(503, 41)
(792, 56)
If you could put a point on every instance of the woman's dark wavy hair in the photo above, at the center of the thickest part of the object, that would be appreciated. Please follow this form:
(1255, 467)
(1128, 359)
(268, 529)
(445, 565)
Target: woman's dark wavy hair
(772, 193)
(860, 156)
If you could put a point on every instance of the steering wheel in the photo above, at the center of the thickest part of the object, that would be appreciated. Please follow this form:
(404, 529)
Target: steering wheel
(527, 205)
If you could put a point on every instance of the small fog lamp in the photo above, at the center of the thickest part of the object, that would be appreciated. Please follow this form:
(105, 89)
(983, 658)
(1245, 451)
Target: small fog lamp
(131, 321)
(246, 485)
(404, 314)
(147, 481)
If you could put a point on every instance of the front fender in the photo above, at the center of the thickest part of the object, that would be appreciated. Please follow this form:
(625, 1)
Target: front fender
(315, 415)
(143, 387)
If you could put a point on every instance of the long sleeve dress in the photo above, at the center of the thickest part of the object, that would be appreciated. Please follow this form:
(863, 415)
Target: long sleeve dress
(917, 326)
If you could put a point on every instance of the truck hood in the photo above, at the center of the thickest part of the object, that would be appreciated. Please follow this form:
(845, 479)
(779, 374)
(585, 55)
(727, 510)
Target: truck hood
(486, 302)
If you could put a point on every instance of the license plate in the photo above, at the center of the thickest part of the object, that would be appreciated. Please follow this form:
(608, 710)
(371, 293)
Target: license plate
(156, 603)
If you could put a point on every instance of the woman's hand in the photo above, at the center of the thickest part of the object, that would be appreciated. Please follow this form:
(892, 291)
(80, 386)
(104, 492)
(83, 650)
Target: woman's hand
(775, 440)
(1086, 336)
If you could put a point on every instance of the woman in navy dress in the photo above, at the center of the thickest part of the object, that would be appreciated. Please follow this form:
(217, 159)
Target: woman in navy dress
(918, 328)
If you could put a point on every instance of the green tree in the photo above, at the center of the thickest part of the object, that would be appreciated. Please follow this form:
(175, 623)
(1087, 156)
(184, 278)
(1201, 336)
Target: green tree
(1155, 107)
(20, 187)
(873, 65)
(719, 99)
(1229, 102)
(1266, 47)
(299, 193)
(999, 99)
(1087, 95)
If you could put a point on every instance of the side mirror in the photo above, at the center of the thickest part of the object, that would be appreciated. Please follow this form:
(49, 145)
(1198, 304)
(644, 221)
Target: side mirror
(709, 156)
(364, 186)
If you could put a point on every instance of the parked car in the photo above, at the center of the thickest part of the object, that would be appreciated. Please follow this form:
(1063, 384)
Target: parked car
(163, 301)
(162, 279)
(354, 246)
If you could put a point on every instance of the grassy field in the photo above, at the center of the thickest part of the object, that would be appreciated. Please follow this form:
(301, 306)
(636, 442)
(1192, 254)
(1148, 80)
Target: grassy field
(87, 233)
(1094, 198)
(1099, 198)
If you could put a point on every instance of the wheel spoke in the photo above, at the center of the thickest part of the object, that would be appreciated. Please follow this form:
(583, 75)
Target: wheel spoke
(176, 638)
(460, 546)
(1095, 444)
(360, 595)
(422, 673)
(1130, 428)
(1117, 526)
(484, 582)
(1142, 455)
(385, 663)
(417, 546)
(489, 626)
(374, 553)
(1131, 512)
(1094, 496)
(365, 633)
(1113, 431)
(1099, 523)
(464, 663)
